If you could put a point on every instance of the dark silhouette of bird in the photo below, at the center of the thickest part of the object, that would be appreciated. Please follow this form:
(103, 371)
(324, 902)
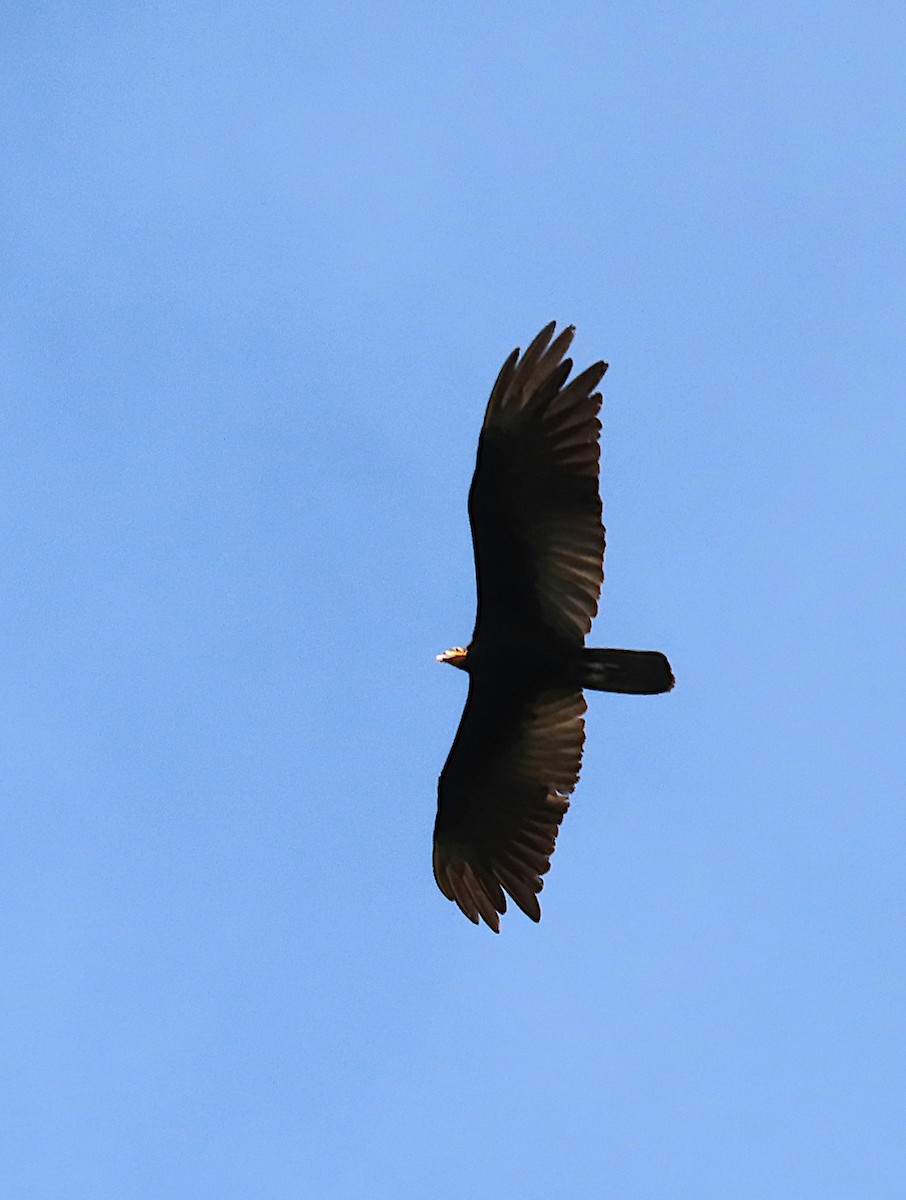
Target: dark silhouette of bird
(535, 513)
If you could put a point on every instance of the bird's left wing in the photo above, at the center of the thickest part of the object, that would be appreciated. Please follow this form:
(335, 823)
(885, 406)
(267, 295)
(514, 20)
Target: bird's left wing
(502, 795)
(534, 504)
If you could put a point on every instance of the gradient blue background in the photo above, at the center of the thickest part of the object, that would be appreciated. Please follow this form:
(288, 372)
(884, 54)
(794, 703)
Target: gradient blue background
(261, 263)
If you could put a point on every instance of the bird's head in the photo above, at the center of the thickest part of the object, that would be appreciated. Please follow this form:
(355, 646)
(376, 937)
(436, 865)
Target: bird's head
(456, 657)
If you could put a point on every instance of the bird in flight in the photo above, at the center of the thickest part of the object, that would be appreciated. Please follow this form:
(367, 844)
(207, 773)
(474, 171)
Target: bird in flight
(535, 513)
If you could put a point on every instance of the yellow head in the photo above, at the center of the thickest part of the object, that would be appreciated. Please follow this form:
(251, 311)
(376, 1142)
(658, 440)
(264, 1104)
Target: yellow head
(456, 657)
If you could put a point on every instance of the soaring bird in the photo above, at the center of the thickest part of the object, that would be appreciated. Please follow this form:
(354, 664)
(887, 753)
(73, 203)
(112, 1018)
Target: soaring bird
(535, 513)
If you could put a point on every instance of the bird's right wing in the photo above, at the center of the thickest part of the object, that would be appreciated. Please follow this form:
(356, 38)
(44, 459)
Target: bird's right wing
(502, 795)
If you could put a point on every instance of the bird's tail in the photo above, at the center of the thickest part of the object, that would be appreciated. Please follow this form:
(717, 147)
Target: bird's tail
(638, 672)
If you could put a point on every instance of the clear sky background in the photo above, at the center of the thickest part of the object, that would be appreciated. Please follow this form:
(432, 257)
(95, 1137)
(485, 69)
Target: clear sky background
(261, 263)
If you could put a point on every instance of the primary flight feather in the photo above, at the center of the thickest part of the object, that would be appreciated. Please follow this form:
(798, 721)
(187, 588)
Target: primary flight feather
(535, 513)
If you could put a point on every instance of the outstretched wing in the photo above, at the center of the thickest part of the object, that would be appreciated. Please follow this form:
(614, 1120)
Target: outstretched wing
(534, 504)
(502, 795)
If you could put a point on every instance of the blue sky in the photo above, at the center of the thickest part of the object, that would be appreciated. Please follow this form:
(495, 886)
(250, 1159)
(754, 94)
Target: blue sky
(262, 263)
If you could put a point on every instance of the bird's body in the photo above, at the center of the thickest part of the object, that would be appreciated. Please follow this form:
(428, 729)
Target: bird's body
(535, 513)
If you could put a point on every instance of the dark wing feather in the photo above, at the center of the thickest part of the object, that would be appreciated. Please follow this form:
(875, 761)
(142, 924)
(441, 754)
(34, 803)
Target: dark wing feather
(534, 504)
(502, 795)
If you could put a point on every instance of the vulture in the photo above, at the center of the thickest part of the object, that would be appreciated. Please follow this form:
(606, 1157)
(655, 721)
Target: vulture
(535, 514)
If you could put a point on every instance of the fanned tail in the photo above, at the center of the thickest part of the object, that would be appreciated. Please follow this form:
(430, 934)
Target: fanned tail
(636, 672)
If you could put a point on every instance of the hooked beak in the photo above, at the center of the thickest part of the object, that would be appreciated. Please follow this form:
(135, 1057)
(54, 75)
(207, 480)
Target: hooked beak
(455, 657)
